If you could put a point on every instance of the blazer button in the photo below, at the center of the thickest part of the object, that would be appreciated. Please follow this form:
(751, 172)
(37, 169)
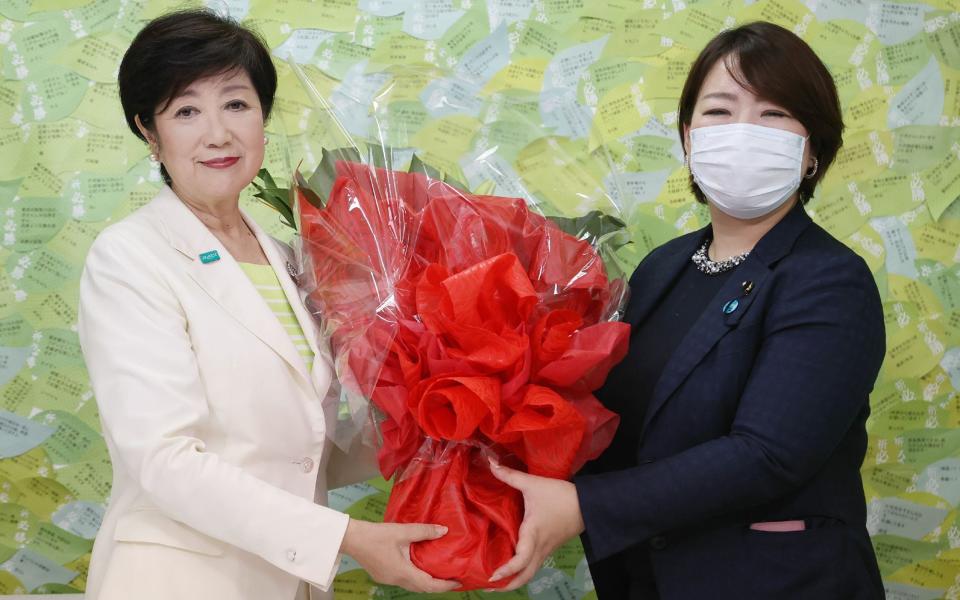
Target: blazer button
(306, 464)
(292, 555)
(658, 542)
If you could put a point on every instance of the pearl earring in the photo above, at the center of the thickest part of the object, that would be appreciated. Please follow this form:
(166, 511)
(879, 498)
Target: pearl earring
(266, 140)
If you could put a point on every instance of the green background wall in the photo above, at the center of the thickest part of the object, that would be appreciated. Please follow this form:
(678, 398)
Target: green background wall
(575, 95)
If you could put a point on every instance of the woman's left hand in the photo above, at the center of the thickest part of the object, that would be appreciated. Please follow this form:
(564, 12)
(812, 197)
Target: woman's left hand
(551, 517)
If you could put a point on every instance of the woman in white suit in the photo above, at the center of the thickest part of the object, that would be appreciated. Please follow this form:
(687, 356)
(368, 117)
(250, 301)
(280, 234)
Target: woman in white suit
(205, 364)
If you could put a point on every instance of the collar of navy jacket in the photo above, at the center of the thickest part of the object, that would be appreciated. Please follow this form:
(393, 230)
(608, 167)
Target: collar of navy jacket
(713, 323)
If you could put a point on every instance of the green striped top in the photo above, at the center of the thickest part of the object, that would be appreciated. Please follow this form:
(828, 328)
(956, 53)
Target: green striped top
(265, 280)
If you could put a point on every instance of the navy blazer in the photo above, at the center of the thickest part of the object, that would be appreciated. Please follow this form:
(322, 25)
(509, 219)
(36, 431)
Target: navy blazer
(758, 416)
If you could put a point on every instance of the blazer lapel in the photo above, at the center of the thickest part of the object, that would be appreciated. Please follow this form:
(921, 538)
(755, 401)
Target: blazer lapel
(321, 377)
(283, 261)
(715, 322)
(712, 325)
(649, 291)
(223, 279)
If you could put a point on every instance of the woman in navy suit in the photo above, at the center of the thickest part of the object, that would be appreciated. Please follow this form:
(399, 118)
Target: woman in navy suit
(756, 342)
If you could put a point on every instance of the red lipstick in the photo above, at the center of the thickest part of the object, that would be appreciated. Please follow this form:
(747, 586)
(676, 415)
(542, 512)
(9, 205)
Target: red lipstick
(220, 163)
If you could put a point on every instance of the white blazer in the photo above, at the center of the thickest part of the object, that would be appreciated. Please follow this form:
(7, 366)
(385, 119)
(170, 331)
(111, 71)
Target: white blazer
(217, 433)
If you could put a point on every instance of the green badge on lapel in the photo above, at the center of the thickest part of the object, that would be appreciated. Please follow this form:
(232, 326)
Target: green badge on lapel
(209, 257)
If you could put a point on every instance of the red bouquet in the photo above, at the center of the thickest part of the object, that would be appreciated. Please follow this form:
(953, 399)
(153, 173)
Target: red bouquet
(476, 328)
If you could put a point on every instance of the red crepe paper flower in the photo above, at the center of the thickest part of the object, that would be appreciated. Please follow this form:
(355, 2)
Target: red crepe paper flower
(454, 408)
(478, 329)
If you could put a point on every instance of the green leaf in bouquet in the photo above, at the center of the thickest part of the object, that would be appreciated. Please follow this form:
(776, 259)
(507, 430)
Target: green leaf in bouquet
(418, 166)
(321, 182)
(308, 193)
(600, 228)
(454, 182)
(380, 156)
(267, 178)
(606, 232)
(277, 198)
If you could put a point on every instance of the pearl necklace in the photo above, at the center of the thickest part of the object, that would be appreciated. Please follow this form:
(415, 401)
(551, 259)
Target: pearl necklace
(710, 267)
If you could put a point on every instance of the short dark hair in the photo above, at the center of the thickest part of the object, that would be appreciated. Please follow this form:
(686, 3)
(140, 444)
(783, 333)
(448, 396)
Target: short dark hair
(178, 48)
(778, 66)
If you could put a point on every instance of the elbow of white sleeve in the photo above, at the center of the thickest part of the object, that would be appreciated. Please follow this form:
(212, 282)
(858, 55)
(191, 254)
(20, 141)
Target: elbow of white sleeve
(167, 472)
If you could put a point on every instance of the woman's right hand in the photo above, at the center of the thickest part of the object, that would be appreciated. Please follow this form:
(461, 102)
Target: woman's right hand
(383, 550)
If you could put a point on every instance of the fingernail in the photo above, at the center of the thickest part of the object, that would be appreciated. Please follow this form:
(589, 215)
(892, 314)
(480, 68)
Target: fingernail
(443, 530)
(495, 577)
(494, 464)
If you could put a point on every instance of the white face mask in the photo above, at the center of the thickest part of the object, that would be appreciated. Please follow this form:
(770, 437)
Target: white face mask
(746, 170)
